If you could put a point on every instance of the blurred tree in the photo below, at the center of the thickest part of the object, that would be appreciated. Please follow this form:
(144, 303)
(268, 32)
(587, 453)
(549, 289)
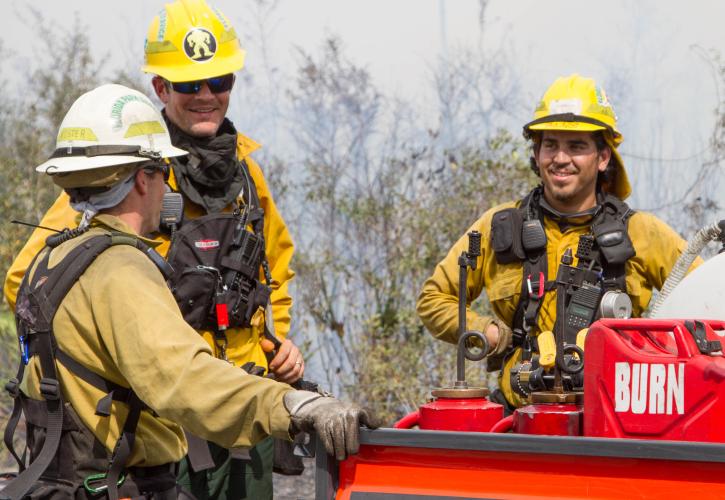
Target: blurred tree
(382, 206)
(29, 121)
(64, 70)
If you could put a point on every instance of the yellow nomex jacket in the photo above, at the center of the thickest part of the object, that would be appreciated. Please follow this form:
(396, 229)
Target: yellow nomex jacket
(243, 343)
(657, 248)
(120, 321)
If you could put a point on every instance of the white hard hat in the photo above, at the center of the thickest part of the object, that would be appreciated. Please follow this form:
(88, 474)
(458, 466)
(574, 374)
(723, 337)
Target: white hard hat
(110, 125)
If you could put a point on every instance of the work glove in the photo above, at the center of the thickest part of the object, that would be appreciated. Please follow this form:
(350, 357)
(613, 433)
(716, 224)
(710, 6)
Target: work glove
(336, 423)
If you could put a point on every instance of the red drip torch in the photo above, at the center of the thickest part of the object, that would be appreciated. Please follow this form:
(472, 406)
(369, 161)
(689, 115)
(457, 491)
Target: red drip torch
(460, 408)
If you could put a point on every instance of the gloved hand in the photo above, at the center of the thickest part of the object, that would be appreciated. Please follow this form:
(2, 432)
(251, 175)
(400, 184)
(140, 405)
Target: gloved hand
(335, 422)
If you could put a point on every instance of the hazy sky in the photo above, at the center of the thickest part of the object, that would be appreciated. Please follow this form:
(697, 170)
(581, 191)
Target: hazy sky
(652, 51)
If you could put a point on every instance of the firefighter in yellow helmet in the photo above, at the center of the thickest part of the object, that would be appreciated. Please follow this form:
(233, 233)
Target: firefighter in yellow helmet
(109, 368)
(574, 137)
(231, 248)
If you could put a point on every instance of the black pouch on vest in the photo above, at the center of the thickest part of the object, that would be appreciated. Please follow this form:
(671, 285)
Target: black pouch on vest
(533, 236)
(194, 292)
(613, 241)
(506, 236)
(197, 254)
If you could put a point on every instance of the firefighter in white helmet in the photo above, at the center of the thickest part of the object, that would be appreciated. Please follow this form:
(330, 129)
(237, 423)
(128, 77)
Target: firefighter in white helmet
(574, 137)
(110, 371)
(193, 52)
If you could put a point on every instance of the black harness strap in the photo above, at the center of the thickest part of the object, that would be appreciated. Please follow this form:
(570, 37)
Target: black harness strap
(124, 445)
(199, 454)
(35, 321)
(13, 388)
(38, 302)
(535, 285)
(114, 392)
(613, 275)
(50, 390)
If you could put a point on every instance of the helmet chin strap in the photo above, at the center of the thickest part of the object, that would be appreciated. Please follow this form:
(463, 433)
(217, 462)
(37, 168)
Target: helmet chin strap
(86, 217)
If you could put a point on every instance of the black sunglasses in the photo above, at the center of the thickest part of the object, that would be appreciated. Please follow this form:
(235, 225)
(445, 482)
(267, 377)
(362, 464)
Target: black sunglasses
(162, 167)
(216, 85)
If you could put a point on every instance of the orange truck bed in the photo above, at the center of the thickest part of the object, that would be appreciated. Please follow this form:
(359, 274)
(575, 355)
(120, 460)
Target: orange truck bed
(435, 465)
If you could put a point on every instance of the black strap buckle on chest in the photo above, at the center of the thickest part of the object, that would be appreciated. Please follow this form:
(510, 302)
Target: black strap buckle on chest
(38, 301)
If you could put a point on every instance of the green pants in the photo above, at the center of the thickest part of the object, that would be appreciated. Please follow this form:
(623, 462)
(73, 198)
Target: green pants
(232, 478)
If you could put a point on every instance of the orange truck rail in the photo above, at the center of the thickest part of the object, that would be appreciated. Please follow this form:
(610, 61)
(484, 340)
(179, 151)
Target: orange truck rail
(436, 465)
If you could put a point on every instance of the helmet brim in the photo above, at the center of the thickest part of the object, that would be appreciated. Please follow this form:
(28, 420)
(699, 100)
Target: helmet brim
(217, 66)
(567, 126)
(78, 163)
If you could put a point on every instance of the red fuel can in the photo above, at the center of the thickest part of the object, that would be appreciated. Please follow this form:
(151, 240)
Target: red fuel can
(655, 379)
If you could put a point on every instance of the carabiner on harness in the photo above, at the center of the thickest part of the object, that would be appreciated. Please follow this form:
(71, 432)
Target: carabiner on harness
(95, 478)
(536, 289)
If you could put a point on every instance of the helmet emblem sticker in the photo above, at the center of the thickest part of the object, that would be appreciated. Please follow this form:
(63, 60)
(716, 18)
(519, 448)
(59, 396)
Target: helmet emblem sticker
(602, 97)
(199, 45)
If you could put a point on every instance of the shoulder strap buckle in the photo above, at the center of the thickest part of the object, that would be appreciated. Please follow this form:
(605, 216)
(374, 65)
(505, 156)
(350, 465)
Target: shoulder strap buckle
(13, 387)
(50, 389)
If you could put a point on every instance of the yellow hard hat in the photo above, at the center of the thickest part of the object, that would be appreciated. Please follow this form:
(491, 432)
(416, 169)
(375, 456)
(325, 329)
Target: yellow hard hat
(190, 40)
(575, 103)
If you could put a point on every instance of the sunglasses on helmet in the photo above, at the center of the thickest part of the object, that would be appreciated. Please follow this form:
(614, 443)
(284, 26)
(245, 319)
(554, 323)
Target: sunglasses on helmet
(216, 85)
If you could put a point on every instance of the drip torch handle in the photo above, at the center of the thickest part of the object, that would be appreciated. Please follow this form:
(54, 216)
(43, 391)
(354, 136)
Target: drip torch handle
(466, 260)
(474, 247)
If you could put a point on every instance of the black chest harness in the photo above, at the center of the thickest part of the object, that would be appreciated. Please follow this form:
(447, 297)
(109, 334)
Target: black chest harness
(217, 263)
(518, 235)
(59, 450)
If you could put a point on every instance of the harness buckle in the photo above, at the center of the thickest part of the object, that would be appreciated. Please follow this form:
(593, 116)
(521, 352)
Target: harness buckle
(13, 387)
(536, 289)
(50, 389)
(518, 337)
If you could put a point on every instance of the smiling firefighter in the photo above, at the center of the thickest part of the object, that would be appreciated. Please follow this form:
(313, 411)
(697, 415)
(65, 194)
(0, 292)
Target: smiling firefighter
(578, 208)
